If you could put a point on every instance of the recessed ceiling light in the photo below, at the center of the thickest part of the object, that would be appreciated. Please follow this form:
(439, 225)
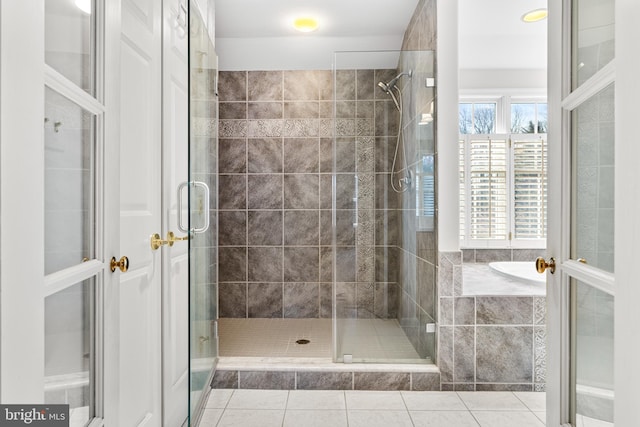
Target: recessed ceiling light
(534, 15)
(84, 5)
(305, 24)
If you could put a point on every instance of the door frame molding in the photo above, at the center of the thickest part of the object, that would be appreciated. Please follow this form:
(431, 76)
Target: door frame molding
(627, 229)
(111, 186)
(557, 294)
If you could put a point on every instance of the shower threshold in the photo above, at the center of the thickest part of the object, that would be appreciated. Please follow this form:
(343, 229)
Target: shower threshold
(264, 354)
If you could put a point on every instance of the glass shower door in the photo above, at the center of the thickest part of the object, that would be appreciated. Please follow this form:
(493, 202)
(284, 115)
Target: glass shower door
(384, 207)
(202, 189)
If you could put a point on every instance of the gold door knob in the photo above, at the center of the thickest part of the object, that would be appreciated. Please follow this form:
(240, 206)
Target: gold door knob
(171, 238)
(123, 264)
(542, 265)
(156, 241)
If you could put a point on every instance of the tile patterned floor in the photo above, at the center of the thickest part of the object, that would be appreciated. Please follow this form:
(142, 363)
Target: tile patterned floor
(297, 408)
(368, 339)
(274, 337)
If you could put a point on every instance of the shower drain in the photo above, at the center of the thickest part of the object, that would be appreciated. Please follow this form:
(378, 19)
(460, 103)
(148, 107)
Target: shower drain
(303, 341)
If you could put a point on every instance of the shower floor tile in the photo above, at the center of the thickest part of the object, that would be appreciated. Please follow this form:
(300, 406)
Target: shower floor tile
(367, 339)
(274, 337)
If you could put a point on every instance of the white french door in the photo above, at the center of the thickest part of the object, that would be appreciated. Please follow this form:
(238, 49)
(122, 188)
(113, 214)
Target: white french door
(80, 185)
(593, 222)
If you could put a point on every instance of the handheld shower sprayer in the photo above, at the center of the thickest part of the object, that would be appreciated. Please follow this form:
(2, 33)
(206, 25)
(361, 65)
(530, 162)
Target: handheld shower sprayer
(387, 87)
(405, 182)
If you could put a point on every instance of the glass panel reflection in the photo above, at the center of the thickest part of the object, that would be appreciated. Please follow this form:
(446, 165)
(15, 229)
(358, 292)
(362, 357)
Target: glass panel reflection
(592, 388)
(69, 350)
(69, 41)
(69, 183)
(593, 38)
(593, 163)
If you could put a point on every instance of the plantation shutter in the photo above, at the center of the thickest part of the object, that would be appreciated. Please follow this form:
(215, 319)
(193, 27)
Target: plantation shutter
(488, 168)
(530, 187)
(425, 194)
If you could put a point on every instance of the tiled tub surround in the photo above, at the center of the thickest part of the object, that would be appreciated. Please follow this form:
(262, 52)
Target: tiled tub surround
(490, 342)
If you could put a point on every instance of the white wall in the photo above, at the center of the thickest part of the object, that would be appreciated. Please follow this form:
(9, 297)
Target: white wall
(447, 110)
(526, 82)
(296, 53)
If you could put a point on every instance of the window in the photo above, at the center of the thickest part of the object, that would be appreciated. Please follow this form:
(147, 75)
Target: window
(478, 118)
(503, 177)
(528, 118)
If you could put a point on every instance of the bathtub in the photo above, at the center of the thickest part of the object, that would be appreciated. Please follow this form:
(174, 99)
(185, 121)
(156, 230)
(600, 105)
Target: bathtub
(503, 278)
(522, 271)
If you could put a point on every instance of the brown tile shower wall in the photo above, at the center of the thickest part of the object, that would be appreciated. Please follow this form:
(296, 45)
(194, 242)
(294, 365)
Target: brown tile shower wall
(275, 194)
(366, 125)
(417, 252)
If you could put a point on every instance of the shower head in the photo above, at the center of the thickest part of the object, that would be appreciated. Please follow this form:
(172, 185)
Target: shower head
(386, 87)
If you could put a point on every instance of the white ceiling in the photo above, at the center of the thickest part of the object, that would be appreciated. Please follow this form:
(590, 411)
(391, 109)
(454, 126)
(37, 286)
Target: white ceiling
(257, 34)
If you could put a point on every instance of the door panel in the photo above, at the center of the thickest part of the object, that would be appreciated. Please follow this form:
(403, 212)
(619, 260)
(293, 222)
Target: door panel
(140, 214)
(592, 348)
(582, 209)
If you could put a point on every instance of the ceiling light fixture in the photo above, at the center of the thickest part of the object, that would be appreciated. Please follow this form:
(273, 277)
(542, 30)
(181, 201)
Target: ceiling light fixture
(305, 24)
(534, 15)
(84, 5)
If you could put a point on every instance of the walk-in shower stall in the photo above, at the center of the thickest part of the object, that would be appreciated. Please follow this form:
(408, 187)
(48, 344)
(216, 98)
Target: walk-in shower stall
(327, 214)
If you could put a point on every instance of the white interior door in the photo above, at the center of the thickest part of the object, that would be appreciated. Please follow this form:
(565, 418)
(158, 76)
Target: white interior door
(582, 209)
(139, 296)
(175, 287)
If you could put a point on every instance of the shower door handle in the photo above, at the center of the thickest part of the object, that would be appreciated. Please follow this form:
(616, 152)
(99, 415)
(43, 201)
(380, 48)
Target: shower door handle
(204, 209)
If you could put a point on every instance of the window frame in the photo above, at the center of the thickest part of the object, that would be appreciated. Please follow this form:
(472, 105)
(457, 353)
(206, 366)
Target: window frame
(502, 130)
